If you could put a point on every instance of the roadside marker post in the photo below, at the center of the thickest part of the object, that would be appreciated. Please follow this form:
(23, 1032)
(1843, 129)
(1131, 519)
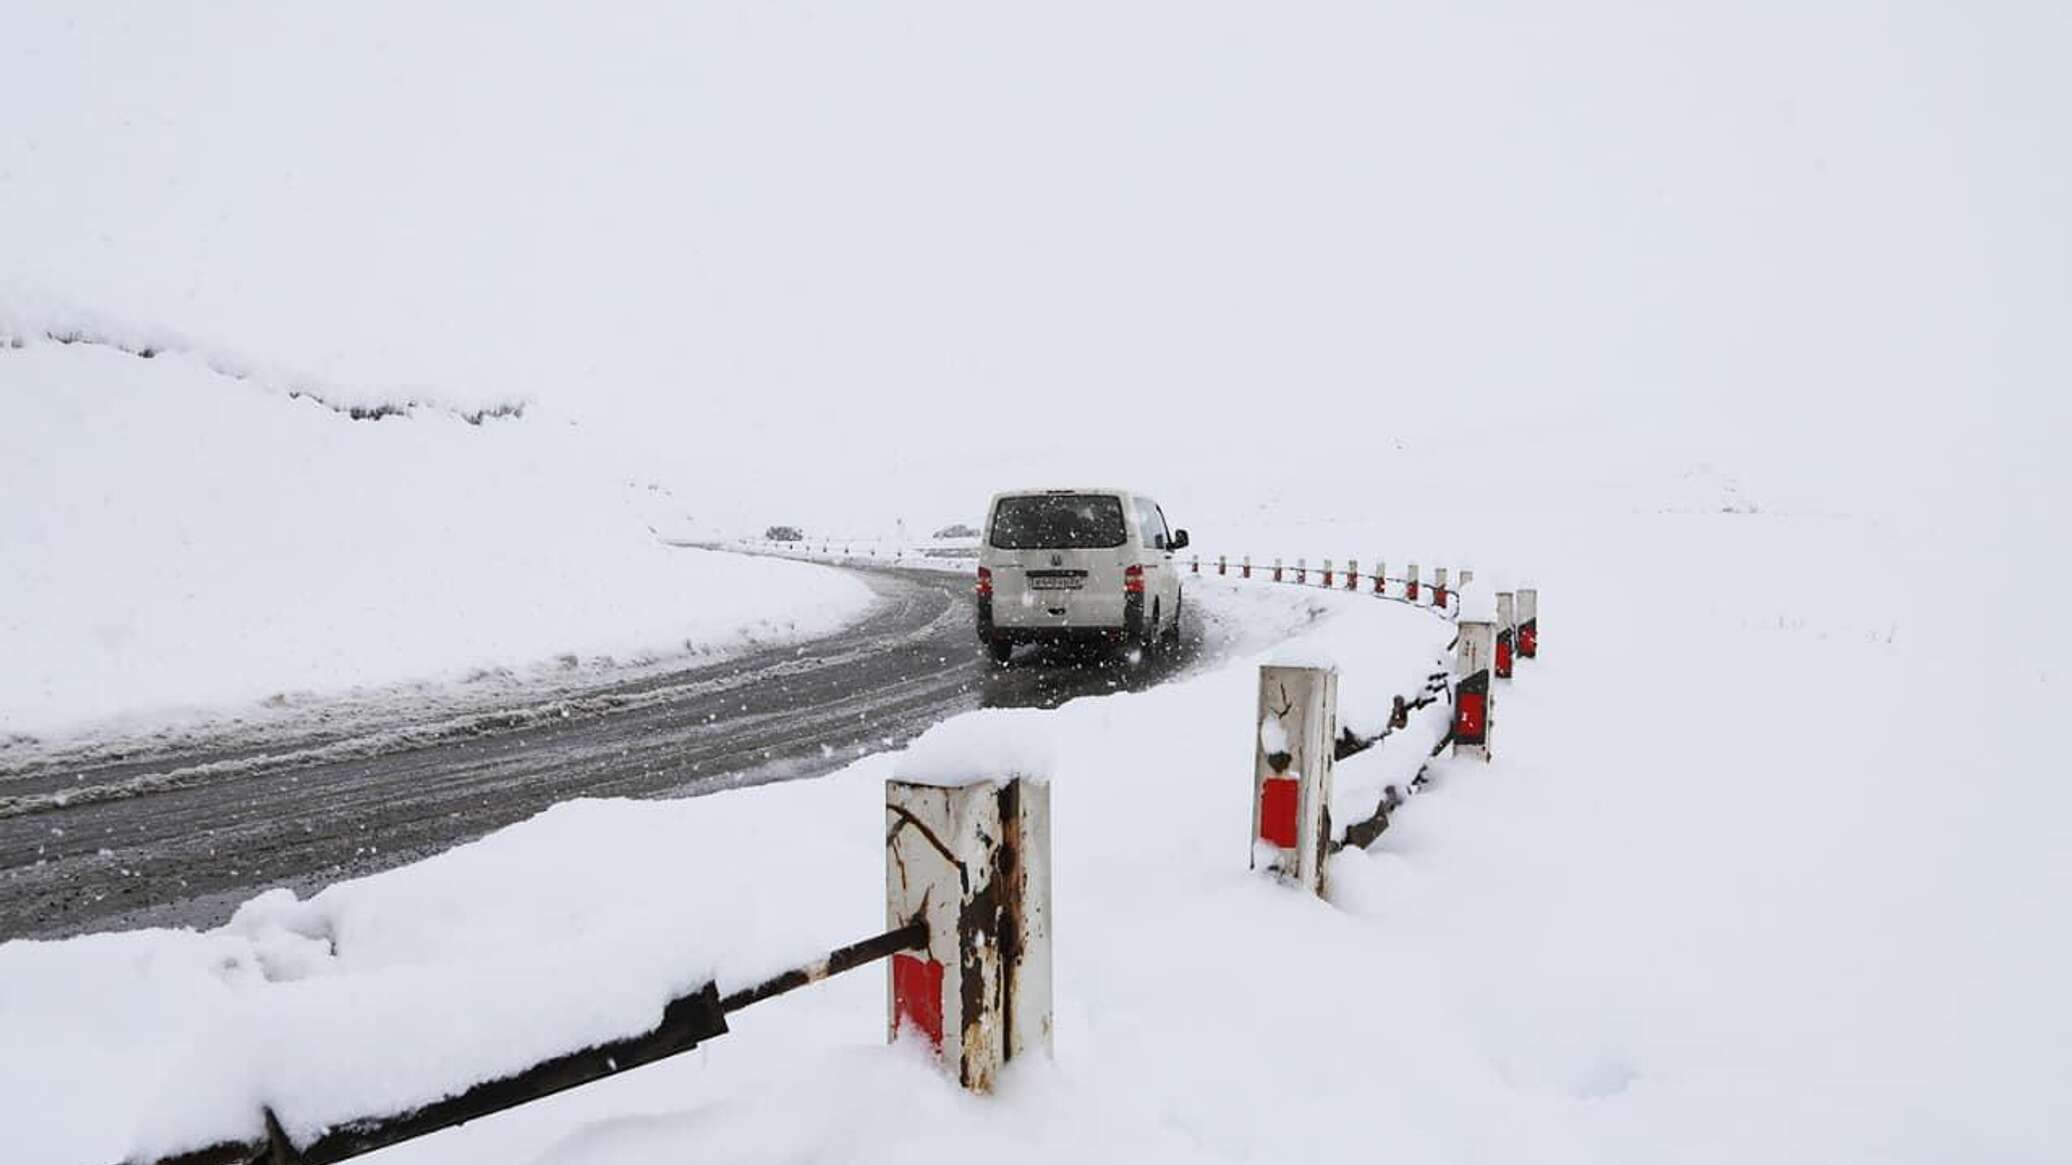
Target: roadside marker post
(1248, 566)
(1293, 751)
(1327, 584)
(1439, 587)
(1352, 574)
(973, 862)
(1381, 578)
(1222, 567)
(1529, 622)
(1472, 698)
(1410, 584)
(1301, 571)
(1505, 633)
(1276, 568)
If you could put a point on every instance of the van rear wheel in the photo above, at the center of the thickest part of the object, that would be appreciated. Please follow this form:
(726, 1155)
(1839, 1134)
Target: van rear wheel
(1000, 649)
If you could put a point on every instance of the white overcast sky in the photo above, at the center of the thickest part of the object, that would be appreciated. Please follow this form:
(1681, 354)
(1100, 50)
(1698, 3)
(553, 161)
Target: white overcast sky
(849, 256)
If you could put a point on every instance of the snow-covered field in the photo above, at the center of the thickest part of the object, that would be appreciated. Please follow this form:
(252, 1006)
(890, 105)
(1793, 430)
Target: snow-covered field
(1750, 878)
(179, 542)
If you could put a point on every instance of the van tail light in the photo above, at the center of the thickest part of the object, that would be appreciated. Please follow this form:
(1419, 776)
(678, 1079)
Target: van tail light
(1133, 580)
(985, 582)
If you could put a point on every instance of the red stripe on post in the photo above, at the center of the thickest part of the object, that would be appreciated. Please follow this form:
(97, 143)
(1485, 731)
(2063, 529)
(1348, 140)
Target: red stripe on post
(1279, 804)
(917, 996)
(1528, 641)
(1503, 657)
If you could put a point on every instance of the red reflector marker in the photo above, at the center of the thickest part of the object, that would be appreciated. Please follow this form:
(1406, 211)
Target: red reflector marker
(917, 996)
(1133, 580)
(1473, 713)
(1279, 802)
(985, 582)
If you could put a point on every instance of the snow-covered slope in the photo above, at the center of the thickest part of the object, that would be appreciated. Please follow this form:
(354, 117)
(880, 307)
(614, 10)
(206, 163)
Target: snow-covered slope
(178, 540)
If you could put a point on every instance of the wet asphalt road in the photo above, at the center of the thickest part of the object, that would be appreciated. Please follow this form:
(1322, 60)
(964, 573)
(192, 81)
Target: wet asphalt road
(153, 832)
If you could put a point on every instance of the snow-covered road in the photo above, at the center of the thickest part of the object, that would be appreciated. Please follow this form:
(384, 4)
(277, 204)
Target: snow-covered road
(142, 832)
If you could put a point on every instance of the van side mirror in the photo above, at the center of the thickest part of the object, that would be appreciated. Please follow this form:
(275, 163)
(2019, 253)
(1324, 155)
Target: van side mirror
(1179, 541)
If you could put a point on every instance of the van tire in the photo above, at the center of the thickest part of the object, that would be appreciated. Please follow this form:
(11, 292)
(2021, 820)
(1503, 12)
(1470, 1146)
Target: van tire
(1172, 634)
(1000, 649)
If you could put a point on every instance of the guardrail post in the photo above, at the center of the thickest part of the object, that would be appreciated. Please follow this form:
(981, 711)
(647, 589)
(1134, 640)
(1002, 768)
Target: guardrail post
(1505, 624)
(1327, 584)
(1439, 587)
(1528, 622)
(1293, 751)
(974, 862)
(1222, 567)
(1248, 566)
(1410, 584)
(1466, 576)
(1471, 695)
(1301, 571)
(1352, 574)
(1194, 565)
(1276, 568)
(1381, 577)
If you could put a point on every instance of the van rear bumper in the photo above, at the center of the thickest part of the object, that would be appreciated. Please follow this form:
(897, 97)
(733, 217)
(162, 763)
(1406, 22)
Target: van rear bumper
(1131, 626)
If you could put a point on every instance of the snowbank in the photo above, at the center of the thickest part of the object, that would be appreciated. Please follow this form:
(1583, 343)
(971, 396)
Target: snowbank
(178, 540)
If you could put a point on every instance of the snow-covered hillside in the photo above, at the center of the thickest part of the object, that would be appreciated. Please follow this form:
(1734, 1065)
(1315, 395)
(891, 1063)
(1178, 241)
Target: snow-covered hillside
(177, 541)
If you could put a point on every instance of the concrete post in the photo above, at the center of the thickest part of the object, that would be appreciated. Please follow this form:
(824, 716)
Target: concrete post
(1248, 566)
(1466, 576)
(1352, 574)
(1439, 587)
(1293, 751)
(974, 862)
(1410, 584)
(1381, 577)
(1222, 567)
(1327, 583)
(1301, 571)
(1505, 630)
(1528, 622)
(1472, 700)
(1194, 565)
(1276, 568)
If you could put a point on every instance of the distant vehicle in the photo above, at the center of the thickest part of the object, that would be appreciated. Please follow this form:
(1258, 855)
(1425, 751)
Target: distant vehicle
(1090, 565)
(960, 530)
(783, 534)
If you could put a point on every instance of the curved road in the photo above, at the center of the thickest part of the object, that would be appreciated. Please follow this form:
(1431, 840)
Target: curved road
(150, 833)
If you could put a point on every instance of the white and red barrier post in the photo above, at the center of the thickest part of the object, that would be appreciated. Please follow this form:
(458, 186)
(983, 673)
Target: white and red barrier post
(973, 861)
(1301, 571)
(1222, 566)
(1506, 630)
(1293, 752)
(1439, 587)
(1326, 583)
(1247, 567)
(1352, 574)
(1276, 568)
(1381, 577)
(1466, 576)
(1410, 584)
(1528, 622)
(1473, 701)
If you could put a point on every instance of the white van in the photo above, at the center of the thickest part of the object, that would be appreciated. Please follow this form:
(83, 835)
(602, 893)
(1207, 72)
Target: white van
(1077, 564)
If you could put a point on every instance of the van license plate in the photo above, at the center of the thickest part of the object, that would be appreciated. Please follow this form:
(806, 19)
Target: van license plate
(1056, 583)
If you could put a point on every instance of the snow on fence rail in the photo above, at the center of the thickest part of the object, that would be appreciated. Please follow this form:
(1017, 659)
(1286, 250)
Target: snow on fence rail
(967, 903)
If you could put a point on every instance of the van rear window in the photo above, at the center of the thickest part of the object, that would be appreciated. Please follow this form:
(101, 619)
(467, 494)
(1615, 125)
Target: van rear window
(1058, 522)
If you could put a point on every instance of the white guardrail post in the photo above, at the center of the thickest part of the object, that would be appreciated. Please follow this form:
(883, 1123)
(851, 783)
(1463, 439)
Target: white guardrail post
(1293, 751)
(1381, 578)
(1528, 622)
(1410, 584)
(1325, 582)
(1352, 574)
(1506, 623)
(973, 861)
(1472, 698)
(1439, 587)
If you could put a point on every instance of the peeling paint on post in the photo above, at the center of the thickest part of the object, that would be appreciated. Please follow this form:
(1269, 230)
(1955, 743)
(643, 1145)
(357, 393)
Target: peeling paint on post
(1293, 749)
(1528, 622)
(973, 861)
(1505, 630)
(1473, 701)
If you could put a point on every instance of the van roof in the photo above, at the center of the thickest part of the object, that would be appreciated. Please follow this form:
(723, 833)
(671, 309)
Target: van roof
(1028, 493)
